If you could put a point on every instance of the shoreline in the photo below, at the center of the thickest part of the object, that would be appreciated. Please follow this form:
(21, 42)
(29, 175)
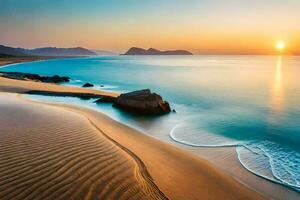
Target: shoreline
(155, 159)
(14, 60)
(21, 87)
(235, 147)
(213, 156)
(157, 155)
(224, 158)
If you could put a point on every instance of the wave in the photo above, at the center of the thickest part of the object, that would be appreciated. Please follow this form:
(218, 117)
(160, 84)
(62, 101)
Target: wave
(75, 81)
(263, 158)
(194, 144)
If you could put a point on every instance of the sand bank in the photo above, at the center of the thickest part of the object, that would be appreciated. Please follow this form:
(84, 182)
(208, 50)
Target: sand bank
(18, 86)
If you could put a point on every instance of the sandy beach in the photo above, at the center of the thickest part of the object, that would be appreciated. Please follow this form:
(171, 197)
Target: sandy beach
(54, 151)
(66, 153)
(51, 153)
(179, 100)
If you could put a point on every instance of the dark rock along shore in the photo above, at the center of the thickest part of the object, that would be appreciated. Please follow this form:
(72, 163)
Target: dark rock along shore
(35, 77)
(139, 102)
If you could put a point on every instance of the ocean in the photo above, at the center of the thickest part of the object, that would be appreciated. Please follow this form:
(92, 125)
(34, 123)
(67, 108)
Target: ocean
(251, 103)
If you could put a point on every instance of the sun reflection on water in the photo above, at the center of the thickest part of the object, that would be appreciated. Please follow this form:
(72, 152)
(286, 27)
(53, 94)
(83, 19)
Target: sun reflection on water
(277, 92)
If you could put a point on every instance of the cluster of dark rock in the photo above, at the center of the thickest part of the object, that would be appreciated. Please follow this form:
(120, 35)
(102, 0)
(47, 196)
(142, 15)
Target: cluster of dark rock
(139, 102)
(142, 102)
(90, 85)
(35, 77)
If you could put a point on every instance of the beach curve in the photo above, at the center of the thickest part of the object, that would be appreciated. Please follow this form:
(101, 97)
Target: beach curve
(66, 157)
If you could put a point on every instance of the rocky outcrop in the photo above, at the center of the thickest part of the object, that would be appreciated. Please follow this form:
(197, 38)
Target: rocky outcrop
(142, 102)
(54, 79)
(152, 51)
(35, 77)
(88, 85)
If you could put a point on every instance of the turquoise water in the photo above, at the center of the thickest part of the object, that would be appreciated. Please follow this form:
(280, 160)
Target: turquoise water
(250, 102)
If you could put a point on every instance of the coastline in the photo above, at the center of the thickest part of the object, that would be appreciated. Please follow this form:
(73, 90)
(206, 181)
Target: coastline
(182, 182)
(159, 158)
(10, 60)
(136, 137)
(224, 158)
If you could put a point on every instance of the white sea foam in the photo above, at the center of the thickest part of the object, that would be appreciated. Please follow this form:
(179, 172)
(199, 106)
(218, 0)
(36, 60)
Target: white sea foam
(76, 81)
(206, 139)
(263, 158)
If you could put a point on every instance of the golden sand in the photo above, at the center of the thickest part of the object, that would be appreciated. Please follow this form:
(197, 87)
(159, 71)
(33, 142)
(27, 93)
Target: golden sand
(51, 153)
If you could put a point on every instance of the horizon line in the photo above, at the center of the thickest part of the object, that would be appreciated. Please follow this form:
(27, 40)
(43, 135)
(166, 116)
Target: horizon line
(194, 53)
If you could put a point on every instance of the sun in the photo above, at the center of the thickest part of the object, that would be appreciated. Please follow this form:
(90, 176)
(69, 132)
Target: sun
(280, 46)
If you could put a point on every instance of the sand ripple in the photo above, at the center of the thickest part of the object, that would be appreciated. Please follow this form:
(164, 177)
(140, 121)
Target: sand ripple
(51, 153)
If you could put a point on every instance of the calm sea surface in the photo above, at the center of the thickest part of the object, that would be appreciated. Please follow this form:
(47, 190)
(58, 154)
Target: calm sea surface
(250, 102)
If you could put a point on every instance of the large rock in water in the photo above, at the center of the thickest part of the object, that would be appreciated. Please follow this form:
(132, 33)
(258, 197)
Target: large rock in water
(142, 102)
(87, 85)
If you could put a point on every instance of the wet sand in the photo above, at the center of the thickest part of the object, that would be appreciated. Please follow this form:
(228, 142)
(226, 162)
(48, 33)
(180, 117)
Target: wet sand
(225, 158)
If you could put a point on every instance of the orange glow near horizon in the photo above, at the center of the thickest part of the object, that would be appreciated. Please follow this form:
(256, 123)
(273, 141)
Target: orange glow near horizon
(202, 27)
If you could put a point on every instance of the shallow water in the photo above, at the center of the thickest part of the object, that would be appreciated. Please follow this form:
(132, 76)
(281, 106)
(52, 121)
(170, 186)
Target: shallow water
(251, 102)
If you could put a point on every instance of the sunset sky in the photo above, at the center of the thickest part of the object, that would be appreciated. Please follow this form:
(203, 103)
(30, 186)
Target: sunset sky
(201, 26)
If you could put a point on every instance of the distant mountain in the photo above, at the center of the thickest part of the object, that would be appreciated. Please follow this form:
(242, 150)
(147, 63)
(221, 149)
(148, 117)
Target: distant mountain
(152, 51)
(46, 51)
(103, 52)
(53, 51)
(4, 50)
